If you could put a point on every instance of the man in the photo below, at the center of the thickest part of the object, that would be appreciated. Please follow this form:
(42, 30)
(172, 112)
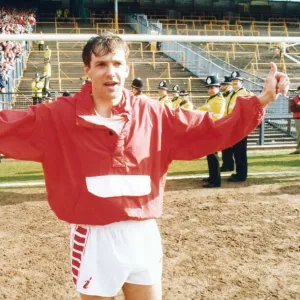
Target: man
(137, 86)
(238, 152)
(105, 158)
(295, 108)
(184, 101)
(227, 155)
(175, 94)
(215, 106)
(47, 99)
(163, 93)
(41, 44)
(226, 88)
(47, 53)
(37, 89)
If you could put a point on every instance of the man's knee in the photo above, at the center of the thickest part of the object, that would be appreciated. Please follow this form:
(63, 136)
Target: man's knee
(142, 292)
(88, 297)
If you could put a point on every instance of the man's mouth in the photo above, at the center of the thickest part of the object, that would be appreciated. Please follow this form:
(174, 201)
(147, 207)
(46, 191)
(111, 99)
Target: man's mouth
(110, 84)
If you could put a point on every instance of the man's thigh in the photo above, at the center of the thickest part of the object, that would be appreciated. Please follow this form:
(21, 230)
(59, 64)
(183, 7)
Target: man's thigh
(142, 292)
(88, 297)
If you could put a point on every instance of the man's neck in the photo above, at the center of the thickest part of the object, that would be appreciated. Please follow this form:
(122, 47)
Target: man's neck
(103, 108)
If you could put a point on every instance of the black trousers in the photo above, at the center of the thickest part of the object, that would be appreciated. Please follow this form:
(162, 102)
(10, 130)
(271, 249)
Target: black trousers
(214, 168)
(227, 158)
(238, 154)
(240, 157)
(37, 100)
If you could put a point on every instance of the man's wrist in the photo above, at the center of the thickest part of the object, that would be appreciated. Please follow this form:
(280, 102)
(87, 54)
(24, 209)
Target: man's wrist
(264, 98)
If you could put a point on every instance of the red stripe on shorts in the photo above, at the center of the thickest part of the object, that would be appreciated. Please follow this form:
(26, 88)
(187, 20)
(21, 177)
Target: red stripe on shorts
(81, 230)
(77, 255)
(79, 239)
(78, 247)
(75, 263)
(79, 250)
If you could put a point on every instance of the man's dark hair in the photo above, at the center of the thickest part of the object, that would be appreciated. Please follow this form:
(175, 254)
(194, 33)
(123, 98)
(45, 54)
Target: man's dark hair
(101, 45)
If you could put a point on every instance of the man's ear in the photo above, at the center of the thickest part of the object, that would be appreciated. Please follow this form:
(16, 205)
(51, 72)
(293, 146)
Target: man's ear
(127, 69)
(86, 70)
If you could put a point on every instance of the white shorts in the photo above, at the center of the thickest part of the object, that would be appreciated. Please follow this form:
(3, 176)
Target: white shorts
(105, 257)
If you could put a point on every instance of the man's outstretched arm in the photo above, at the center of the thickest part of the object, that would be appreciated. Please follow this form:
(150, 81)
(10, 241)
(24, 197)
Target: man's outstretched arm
(195, 134)
(276, 83)
(21, 134)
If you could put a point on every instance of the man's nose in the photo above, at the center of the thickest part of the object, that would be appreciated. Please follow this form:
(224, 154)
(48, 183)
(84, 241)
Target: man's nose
(111, 70)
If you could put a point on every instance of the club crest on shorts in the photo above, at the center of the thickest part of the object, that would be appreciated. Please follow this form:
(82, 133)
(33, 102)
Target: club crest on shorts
(86, 283)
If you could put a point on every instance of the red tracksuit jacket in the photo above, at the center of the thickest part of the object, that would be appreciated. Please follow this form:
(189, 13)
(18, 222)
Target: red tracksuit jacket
(93, 175)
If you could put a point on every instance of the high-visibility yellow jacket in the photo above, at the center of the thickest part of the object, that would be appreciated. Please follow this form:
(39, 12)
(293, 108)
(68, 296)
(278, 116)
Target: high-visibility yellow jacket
(165, 99)
(187, 104)
(36, 89)
(215, 105)
(58, 13)
(41, 42)
(47, 53)
(181, 102)
(47, 69)
(227, 95)
(232, 100)
(175, 102)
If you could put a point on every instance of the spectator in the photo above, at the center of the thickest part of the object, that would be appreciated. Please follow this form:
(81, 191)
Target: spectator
(295, 108)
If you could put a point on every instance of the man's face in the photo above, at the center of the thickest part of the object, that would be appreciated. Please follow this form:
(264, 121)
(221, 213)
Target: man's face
(175, 94)
(212, 90)
(236, 84)
(225, 88)
(134, 90)
(108, 74)
(162, 92)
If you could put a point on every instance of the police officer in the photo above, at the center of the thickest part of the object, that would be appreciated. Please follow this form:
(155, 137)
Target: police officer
(175, 93)
(137, 86)
(184, 100)
(58, 13)
(37, 89)
(46, 77)
(85, 79)
(41, 44)
(47, 53)
(66, 94)
(215, 105)
(239, 150)
(163, 93)
(227, 155)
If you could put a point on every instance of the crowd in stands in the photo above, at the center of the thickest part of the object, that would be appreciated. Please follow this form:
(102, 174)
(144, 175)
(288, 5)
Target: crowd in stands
(13, 21)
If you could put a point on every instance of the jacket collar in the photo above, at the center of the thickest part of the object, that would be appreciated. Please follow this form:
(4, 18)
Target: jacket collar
(84, 104)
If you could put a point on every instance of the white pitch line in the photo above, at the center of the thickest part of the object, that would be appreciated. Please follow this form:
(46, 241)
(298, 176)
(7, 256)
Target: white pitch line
(42, 183)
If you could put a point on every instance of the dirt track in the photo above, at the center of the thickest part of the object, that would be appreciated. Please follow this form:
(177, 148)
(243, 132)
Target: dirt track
(241, 241)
